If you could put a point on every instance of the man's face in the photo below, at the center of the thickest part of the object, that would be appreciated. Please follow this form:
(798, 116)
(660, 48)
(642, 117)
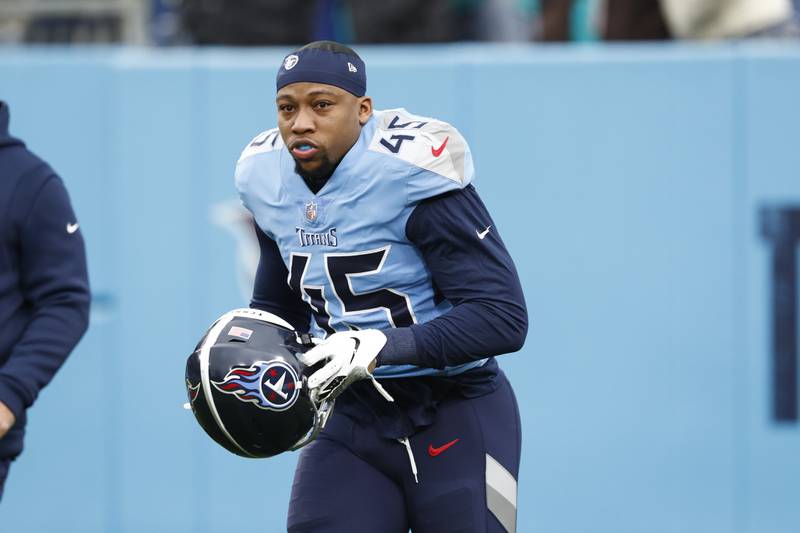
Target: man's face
(319, 123)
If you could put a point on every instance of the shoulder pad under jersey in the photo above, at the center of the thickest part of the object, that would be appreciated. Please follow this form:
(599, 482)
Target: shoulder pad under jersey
(424, 142)
(266, 141)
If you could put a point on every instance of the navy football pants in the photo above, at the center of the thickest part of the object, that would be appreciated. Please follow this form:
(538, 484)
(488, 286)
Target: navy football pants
(351, 480)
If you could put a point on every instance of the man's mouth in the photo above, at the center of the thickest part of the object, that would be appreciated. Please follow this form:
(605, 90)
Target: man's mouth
(304, 150)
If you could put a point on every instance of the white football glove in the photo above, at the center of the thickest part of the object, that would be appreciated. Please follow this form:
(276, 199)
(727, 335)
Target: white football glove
(349, 355)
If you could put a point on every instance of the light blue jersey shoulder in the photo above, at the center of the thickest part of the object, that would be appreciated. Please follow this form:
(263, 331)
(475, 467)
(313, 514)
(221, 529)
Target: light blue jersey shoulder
(345, 247)
(431, 149)
(424, 156)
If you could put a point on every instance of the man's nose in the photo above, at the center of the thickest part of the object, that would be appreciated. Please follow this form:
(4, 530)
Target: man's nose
(303, 121)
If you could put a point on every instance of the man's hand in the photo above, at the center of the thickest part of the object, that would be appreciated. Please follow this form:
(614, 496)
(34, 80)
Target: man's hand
(351, 356)
(7, 419)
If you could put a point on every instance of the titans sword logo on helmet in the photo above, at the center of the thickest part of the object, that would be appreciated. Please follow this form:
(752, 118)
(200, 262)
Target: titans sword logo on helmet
(270, 385)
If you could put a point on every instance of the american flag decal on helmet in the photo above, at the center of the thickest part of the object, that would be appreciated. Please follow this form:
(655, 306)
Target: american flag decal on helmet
(242, 333)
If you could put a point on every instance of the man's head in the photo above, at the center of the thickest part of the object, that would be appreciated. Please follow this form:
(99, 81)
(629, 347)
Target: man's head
(321, 105)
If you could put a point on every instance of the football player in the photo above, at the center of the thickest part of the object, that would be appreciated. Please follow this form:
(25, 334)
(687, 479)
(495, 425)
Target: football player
(374, 239)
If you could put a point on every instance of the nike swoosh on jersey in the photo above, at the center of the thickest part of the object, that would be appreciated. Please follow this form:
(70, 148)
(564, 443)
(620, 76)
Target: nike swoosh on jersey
(72, 228)
(433, 452)
(438, 151)
(482, 234)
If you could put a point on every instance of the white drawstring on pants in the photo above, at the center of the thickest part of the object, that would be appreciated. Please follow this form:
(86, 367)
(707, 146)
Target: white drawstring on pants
(405, 442)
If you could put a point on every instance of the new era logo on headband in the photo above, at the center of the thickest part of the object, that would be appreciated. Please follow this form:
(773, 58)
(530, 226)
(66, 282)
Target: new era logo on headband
(290, 62)
(351, 67)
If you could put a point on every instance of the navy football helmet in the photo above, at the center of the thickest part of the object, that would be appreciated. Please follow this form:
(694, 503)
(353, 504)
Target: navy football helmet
(247, 388)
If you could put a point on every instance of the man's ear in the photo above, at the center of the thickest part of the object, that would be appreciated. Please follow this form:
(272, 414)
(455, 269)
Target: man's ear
(364, 109)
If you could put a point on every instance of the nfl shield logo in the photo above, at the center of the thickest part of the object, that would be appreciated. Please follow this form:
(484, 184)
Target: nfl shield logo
(311, 211)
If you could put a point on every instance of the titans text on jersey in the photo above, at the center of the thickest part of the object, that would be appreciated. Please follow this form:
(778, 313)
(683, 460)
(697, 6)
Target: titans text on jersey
(308, 238)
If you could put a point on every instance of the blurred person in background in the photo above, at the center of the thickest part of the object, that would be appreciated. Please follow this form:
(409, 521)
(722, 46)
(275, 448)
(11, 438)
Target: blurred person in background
(611, 20)
(432, 21)
(247, 22)
(729, 19)
(646, 20)
(44, 289)
(406, 21)
(498, 20)
(268, 22)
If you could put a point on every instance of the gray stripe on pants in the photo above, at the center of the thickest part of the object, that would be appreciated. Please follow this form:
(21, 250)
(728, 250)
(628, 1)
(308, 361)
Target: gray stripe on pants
(501, 493)
(502, 509)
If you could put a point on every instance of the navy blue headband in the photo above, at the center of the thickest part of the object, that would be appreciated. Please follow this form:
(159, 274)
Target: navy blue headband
(323, 66)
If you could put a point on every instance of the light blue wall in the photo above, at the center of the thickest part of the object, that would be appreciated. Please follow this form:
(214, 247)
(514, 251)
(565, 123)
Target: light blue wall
(626, 182)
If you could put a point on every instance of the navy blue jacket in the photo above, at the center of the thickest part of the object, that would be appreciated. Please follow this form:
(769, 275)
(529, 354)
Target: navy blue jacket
(44, 289)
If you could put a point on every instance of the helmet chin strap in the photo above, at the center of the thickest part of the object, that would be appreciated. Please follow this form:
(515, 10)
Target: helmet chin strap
(380, 389)
(321, 415)
(323, 411)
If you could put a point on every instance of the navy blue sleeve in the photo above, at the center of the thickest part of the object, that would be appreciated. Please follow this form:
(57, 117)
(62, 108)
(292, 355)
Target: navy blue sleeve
(472, 269)
(271, 291)
(55, 287)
